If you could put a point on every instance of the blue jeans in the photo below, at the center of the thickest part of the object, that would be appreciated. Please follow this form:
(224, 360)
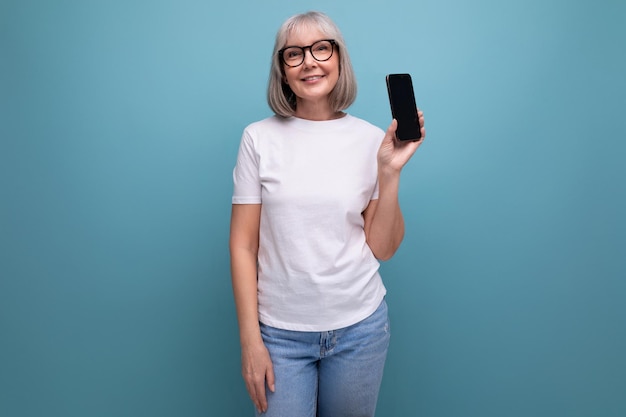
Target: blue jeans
(328, 374)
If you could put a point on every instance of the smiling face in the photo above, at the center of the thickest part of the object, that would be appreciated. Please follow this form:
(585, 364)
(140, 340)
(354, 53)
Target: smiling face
(312, 81)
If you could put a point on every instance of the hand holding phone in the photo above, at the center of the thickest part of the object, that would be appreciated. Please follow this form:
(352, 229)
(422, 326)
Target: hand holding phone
(403, 107)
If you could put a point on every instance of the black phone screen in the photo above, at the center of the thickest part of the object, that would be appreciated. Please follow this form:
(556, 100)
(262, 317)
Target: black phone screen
(403, 107)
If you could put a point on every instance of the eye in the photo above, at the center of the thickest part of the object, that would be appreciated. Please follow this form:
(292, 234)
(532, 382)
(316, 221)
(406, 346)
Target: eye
(293, 53)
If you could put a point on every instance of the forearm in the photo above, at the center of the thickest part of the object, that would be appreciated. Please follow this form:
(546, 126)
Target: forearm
(386, 230)
(256, 364)
(244, 248)
(244, 281)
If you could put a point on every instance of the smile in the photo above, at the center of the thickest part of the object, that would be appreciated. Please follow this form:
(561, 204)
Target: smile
(312, 78)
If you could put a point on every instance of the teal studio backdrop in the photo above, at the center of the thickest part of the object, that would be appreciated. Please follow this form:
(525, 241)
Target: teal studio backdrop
(119, 125)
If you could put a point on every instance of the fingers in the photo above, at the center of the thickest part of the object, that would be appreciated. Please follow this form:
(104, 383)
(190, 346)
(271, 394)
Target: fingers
(270, 378)
(257, 371)
(390, 134)
(261, 398)
(420, 117)
(256, 390)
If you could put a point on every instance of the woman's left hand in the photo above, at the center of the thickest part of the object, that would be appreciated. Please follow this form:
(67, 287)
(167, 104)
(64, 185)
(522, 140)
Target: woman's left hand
(393, 154)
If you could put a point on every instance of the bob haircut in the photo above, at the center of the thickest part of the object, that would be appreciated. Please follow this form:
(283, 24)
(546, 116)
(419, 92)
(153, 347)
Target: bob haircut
(280, 97)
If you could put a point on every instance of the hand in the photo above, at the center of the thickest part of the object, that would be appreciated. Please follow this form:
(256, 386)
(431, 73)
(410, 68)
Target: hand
(256, 367)
(394, 154)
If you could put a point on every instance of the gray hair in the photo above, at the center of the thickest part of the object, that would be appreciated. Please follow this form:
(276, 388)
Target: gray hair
(280, 97)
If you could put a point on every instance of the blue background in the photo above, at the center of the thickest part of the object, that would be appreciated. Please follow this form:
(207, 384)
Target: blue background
(119, 126)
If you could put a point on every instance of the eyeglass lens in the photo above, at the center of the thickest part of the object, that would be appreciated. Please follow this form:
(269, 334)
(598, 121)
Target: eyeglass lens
(320, 50)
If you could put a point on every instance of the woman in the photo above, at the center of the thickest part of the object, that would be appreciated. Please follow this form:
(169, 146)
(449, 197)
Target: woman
(315, 206)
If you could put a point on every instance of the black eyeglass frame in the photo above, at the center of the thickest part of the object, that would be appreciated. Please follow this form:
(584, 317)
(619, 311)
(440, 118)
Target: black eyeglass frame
(333, 45)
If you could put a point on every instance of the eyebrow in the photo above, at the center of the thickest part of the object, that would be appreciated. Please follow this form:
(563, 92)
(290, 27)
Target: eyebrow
(305, 46)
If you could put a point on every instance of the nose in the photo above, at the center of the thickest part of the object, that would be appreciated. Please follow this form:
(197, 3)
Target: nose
(308, 57)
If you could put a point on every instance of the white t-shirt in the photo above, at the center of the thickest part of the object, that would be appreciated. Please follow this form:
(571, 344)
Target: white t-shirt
(313, 179)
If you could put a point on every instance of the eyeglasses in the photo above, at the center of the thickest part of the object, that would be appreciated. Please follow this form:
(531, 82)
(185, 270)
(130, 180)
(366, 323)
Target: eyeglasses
(293, 56)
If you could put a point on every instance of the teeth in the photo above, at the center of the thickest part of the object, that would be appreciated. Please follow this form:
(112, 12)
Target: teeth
(313, 78)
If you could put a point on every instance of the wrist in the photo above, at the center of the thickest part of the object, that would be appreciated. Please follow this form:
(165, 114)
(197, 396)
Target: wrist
(388, 175)
(250, 337)
(388, 170)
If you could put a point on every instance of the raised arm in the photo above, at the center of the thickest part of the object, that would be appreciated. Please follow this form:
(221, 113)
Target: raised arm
(384, 223)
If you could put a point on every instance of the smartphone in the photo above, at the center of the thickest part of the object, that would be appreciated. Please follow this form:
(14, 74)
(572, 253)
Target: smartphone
(403, 107)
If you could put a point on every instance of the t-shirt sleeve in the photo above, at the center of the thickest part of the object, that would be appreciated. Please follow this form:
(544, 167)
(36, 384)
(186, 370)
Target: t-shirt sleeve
(380, 133)
(246, 179)
(375, 193)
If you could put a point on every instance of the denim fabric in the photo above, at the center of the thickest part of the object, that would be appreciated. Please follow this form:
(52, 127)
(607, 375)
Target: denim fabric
(328, 374)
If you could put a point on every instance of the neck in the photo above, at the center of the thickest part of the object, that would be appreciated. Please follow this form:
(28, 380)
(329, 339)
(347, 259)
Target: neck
(316, 111)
